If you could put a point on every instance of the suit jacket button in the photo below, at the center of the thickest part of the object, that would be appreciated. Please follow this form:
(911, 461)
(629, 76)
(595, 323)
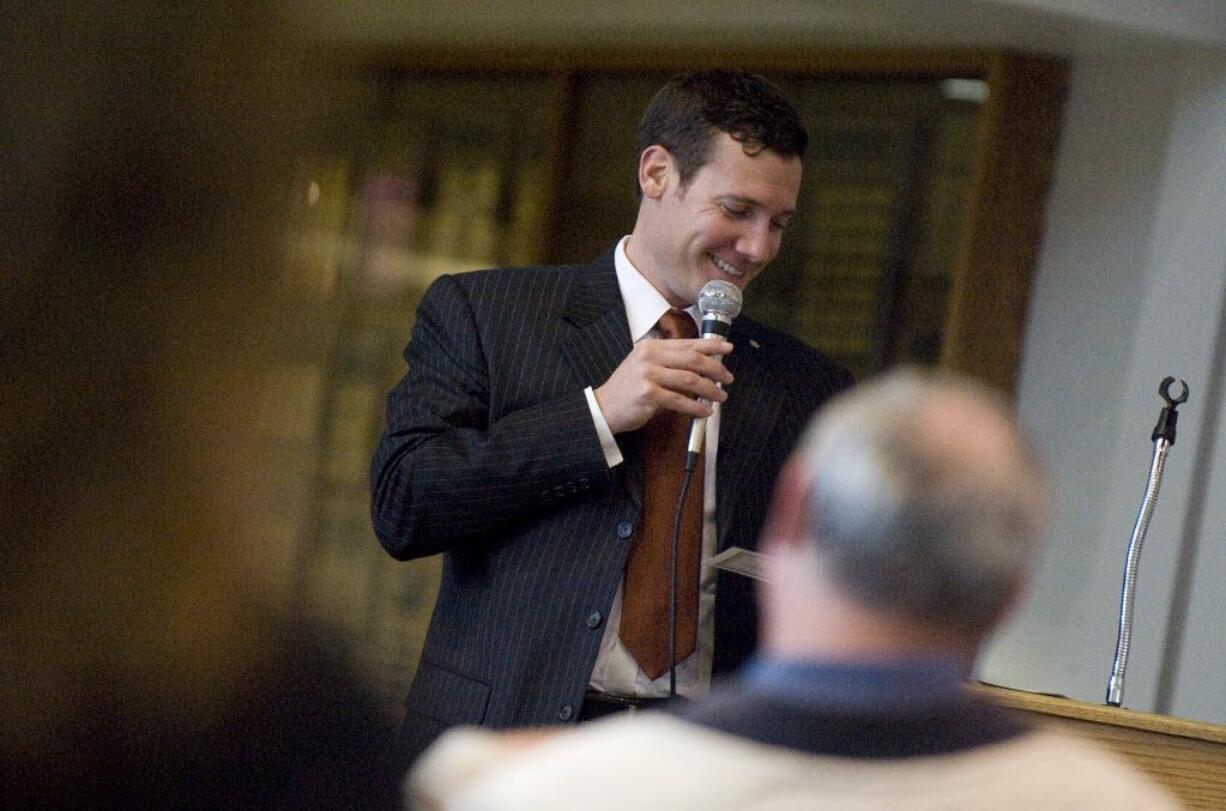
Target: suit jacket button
(565, 712)
(625, 529)
(593, 619)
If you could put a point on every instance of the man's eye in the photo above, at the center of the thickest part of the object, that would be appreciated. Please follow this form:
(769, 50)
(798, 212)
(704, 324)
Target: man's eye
(736, 212)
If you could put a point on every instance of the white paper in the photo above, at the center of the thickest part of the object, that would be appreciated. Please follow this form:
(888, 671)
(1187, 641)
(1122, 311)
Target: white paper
(741, 561)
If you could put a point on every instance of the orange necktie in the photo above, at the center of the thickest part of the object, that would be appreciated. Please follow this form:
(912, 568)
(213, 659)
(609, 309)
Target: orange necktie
(644, 623)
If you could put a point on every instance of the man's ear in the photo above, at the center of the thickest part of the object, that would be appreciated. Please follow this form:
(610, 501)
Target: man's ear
(1018, 588)
(786, 523)
(655, 171)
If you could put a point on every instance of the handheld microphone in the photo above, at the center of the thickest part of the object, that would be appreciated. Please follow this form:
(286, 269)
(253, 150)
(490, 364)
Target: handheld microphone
(719, 302)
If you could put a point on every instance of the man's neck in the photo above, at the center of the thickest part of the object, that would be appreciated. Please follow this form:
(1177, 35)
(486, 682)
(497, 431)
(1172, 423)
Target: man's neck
(807, 617)
(648, 267)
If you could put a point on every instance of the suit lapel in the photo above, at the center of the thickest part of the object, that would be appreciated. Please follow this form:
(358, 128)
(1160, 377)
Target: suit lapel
(595, 338)
(746, 419)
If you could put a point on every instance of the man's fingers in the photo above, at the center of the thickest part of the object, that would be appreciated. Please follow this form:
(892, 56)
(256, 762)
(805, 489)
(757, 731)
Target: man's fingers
(675, 401)
(689, 384)
(688, 359)
(664, 374)
(703, 346)
(707, 346)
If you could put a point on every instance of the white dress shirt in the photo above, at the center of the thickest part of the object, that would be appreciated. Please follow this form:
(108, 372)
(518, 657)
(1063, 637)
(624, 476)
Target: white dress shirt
(616, 670)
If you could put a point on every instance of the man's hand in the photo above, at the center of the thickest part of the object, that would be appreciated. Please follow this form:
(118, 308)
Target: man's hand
(664, 374)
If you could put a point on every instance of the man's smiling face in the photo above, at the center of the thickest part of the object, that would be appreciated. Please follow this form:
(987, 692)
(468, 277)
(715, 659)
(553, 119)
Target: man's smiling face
(725, 223)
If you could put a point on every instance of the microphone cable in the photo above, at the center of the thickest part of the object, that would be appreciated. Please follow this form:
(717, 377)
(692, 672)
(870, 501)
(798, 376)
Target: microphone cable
(672, 584)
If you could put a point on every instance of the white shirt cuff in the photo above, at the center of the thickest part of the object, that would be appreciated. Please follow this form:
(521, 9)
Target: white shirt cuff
(612, 453)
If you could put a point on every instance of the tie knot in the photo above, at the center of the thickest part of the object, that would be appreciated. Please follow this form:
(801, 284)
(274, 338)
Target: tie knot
(676, 324)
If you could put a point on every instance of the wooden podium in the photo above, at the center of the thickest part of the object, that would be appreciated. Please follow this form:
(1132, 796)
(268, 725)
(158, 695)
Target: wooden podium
(1188, 757)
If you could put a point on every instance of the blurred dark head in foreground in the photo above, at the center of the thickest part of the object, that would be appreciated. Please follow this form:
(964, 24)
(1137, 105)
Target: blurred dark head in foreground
(145, 654)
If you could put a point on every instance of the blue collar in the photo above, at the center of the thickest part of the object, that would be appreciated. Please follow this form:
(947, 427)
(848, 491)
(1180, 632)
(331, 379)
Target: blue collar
(885, 686)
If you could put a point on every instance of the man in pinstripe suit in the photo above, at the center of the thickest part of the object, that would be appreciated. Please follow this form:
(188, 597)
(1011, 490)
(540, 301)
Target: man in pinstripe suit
(514, 444)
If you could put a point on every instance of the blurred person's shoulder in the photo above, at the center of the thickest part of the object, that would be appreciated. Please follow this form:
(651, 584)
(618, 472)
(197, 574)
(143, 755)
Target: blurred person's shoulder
(1054, 768)
(535, 769)
(651, 760)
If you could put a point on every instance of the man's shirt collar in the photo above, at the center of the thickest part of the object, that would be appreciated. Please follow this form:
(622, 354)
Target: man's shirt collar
(644, 304)
(859, 686)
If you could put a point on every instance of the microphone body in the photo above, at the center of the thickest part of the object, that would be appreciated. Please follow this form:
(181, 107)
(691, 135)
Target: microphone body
(719, 302)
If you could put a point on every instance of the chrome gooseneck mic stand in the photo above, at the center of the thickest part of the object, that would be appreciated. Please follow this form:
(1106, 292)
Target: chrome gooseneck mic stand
(1164, 438)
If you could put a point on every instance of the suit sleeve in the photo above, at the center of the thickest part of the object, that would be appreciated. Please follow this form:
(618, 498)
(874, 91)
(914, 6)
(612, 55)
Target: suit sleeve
(445, 474)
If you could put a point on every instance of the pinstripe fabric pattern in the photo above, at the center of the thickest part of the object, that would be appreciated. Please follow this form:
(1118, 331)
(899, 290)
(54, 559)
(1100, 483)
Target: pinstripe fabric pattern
(490, 456)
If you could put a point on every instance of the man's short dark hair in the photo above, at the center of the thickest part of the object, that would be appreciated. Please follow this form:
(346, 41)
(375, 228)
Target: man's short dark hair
(688, 112)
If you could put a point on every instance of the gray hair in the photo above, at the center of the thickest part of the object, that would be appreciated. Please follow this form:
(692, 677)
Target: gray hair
(925, 500)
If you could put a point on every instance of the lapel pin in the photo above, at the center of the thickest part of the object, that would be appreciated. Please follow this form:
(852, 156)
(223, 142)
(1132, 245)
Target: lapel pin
(754, 344)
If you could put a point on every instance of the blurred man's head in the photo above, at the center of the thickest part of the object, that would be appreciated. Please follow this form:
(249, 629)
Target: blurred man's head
(915, 504)
(718, 175)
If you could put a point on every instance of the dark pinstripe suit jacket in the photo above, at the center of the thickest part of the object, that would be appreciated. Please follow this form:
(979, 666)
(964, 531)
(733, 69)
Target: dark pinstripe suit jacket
(491, 458)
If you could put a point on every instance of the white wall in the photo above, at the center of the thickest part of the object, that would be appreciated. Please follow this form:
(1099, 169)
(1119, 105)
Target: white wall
(1130, 289)
(1193, 21)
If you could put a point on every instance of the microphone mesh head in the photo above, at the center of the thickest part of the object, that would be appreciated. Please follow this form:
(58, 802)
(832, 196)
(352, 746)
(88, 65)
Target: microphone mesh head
(720, 298)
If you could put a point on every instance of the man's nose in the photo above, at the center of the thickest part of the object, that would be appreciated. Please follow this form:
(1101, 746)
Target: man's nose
(758, 242)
